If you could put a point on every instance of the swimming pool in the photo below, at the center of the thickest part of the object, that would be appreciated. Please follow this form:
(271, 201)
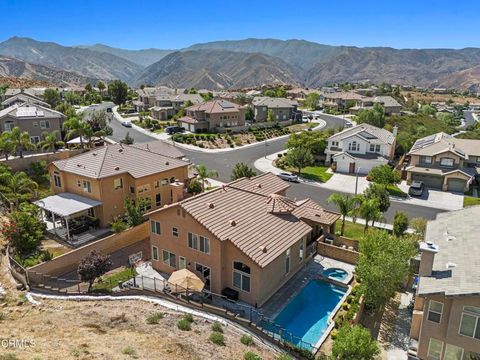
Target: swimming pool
(306, 315)
(335, 273)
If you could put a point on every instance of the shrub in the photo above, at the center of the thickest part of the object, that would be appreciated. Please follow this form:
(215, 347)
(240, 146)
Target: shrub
(184, 325)
(216, 326)
(118, 225)
(251, 356)
(155, 318)
(284, 357)
(217, 338)
(188, 317)
(130, 352)
(246, 340)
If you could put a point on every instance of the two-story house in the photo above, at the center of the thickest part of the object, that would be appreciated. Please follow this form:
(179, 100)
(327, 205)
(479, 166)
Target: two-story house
(32, 118)
(167, 105)
(360, 148)
(212, 115)
(446, 317)
(147, 96)
(341, 100)
(282, 109)
(21, 98)
(96, 183)
(444, 162)
(245, 237)
(389, 104)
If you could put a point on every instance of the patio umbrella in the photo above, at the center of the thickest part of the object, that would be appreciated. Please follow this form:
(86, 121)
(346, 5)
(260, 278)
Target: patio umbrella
(185, 279)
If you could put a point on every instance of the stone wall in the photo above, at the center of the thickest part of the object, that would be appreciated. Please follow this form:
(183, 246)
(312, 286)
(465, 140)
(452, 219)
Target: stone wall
(254, 125)
(21, 164)
(338, 253)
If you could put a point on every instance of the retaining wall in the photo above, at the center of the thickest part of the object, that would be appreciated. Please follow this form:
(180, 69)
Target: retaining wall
(21, 164)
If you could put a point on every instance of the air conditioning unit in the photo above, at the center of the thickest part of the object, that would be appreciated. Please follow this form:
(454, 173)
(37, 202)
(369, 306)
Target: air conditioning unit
(328, 241)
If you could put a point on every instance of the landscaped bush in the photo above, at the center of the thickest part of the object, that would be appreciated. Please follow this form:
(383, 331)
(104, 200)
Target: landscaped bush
(284, 357)
(216, 326)
(188, 317)
(217, 338)
(118, 225)
(304, 353)
(184, 325)
(155, 318)
(246, 340)
(251, 356)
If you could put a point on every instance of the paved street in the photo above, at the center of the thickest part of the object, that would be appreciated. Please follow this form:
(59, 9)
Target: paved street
(469, 118)
(223, 162)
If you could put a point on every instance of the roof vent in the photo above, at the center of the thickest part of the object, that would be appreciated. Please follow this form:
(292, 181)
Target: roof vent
(211, 205)
(94, 154)
(79, 165)
(451, 265)
(259, 186)
(233, 222)
(120, 150)
(167, 163)
(263, 248)
(451, 238)
(117, 168)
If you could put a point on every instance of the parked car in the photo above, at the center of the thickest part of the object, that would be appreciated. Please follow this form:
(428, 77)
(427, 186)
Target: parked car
(417, 188)
(127, 124)
(170, 130)
(109, 109)
(288, 177)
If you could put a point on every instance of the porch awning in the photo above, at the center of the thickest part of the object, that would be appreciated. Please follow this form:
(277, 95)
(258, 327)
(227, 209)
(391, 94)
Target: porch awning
(66, 204)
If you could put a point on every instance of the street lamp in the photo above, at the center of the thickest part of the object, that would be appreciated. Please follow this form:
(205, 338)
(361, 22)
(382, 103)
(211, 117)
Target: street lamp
(356, 181)
(266, 148)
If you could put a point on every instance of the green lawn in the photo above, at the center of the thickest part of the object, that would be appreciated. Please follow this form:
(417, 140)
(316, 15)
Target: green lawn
(109, 282)
(352, 231)
(470, 201)
(315, 173)
(394, 190)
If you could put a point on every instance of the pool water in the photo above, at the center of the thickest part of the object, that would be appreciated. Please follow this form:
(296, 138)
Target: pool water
(306, 315)
(334, 273)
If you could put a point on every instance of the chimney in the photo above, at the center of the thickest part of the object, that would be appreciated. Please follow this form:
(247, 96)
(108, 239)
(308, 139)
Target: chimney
(427, 250)
(395, 131)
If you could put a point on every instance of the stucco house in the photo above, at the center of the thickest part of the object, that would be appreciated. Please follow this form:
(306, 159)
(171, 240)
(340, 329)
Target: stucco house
(444, 162)
(283, 109)
(446, 316)
(245, 236)
(33, 118)
(213, 115)
(360, 148)
(21, 98)
(167, 105)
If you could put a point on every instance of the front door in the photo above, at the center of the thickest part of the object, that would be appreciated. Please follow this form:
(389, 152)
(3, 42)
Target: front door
(206, 274)
(182, 263)
(351, 169)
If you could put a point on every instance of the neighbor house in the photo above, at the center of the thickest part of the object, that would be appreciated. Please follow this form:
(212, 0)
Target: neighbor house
(444, 162)
(97, 183)
(446, 316)
(167, 105)
(21, 98)
(213, 115)
(244, 239)
(389, 104)
(341, 100)
(282, 109)
(147, 96)
(360, 148)
(32, 118)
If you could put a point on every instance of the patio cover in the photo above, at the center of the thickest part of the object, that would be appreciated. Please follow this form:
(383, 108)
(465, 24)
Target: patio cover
(66, 204)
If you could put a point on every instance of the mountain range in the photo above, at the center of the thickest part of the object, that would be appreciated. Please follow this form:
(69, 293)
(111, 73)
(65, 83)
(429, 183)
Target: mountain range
(246, 63)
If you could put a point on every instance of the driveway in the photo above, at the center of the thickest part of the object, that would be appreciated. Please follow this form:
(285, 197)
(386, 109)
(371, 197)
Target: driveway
(345, 183)
(434, 198)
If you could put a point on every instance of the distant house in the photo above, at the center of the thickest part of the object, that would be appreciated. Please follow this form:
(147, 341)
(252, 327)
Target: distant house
(446, 314)
(23, 97)
(211, 115)
(165, 106)
(32, 92)
(300, 94)
(283, 109)
(35, 119)
(389, 104)
(148, 95)
(244, 238)
(360, 148)
(444, 162)
(341, 100)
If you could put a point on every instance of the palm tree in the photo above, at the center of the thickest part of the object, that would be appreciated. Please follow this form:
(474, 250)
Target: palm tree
(369, 211)
(6, 145)
(50, 141)
(345, 205)
(20, 141)
(76, 127)
(203, 173)
(16, 187)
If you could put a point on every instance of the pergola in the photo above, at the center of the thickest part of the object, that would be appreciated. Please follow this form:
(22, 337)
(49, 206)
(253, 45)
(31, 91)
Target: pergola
(66, 205)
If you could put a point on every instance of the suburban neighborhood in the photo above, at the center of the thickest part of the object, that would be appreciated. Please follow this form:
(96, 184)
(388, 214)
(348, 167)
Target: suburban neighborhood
(237, 199)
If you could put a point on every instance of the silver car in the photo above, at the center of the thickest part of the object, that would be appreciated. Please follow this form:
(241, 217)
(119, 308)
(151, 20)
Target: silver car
(288, 177)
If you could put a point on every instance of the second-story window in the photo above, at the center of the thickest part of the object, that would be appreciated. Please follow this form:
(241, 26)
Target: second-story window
(447, 162)
(435, 310)
(426, 159)
(87, 187)
(354, 146)
(158, 199)
(470, 324)
(44, 124)
(300, 252)
(199, 243)
(118, 183)
(57, 179)
(374, 148)
(174, 231)
(155, 227)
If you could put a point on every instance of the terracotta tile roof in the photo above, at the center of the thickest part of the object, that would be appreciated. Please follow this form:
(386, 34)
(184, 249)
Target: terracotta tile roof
(273, 102)
(261, 226)
(118, 159)
(367, 131)
(161, 148)
(215, 106)
(190, 120)
(264, 184)
(310, 210)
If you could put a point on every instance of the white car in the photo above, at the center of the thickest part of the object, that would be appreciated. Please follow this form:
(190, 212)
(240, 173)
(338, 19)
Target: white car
(288, 177)
(127, 124)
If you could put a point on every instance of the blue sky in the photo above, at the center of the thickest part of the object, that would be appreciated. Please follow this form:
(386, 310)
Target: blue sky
(139, 24)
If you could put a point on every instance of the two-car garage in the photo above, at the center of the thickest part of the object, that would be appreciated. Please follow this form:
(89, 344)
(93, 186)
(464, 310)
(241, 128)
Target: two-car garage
(455, 182)
(430, 181)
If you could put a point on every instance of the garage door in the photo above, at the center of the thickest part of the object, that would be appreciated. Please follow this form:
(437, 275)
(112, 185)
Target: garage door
(434, 182)
(343, 165)
(456, 185)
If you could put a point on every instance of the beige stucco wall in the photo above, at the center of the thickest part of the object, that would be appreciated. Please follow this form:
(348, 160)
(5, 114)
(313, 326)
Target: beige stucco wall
(27, 124)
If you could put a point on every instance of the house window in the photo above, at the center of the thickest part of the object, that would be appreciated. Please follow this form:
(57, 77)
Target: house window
(91, 212)
(241, 276)
(174, 232)
(426, 159)
(158, 200)
(448, 162)
(287, 261)
(9, 125)
(374, 148)
(169, 259)
(132, 190)
(453, 352)
(145, 204)
(44, 124)
(118, 183)
(35, 139)
(199, 243)
(57, 180)
(87, 187)
(354, 146)
(35, 124)
(182, 262)
(156, 184)
(155, 227)
(435, 310)
(155, 253)
(435, 349)
(300, 252)
(193, 241)
(143, 188)
(164, 182)
(470, 325)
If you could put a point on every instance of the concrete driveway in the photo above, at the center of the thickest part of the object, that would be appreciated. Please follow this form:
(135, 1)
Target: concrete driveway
(345, 183)
(435, 198)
